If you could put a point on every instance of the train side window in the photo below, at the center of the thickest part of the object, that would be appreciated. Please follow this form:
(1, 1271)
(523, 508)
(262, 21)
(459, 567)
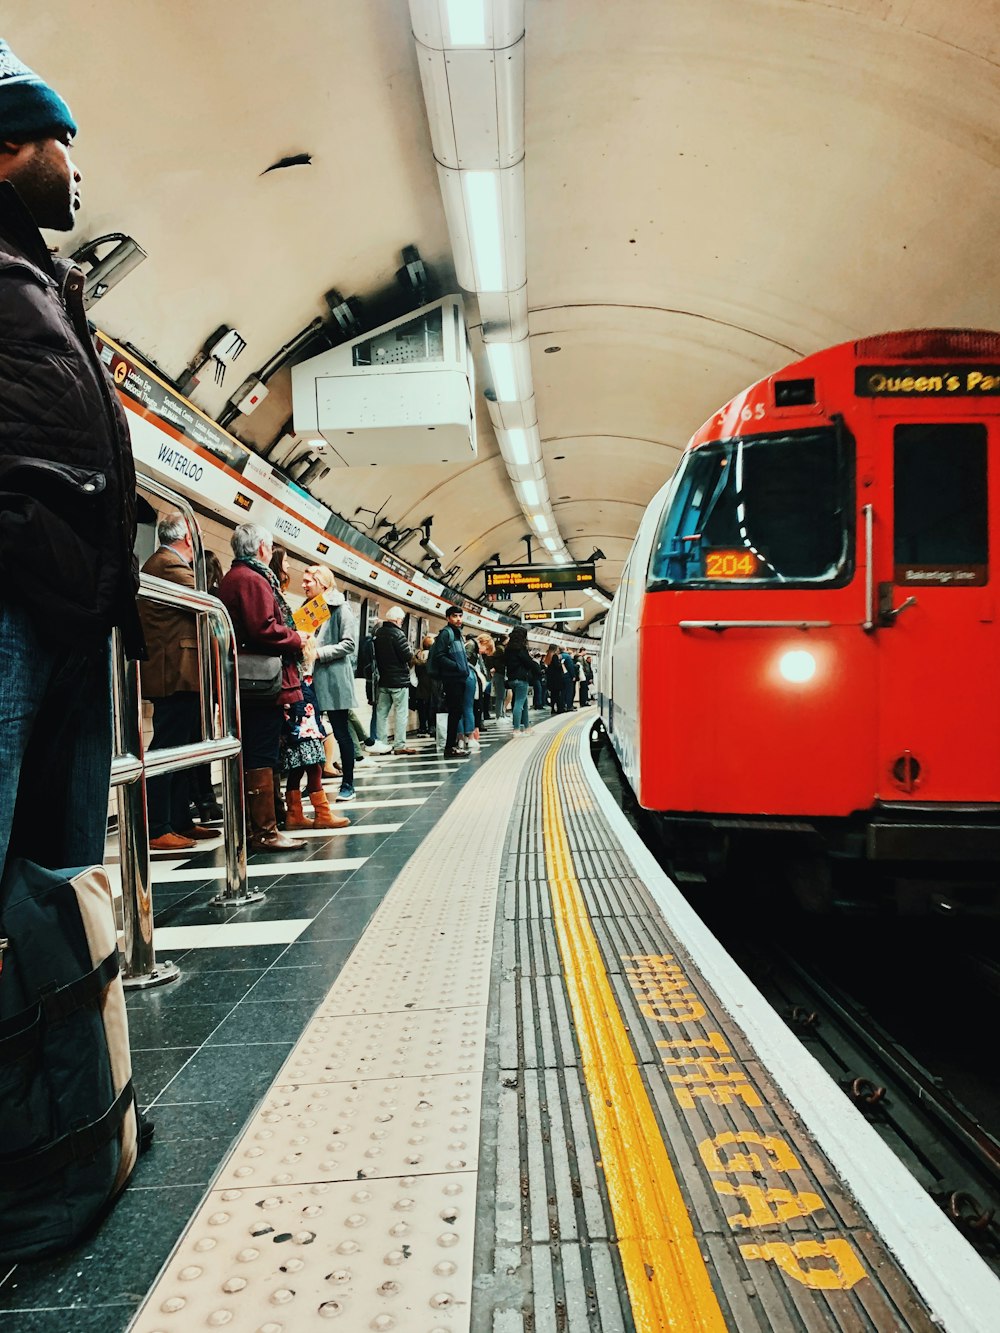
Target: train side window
(760, 511)
(940, 515)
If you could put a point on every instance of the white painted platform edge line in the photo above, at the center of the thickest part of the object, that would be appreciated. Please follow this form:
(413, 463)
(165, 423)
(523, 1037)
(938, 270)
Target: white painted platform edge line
(958, 1286)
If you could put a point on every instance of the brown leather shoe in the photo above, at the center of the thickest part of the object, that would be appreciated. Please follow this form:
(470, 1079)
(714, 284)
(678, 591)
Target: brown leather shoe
(199, 834)
(405, 749)
(171, 842)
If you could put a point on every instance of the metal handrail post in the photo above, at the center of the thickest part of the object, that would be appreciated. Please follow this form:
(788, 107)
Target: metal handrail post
(140, 968)
(233, 807)
(220, 639)
(145, 482)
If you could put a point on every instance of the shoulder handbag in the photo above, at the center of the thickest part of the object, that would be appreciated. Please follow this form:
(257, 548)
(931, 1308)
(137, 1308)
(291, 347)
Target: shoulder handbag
(259, 676)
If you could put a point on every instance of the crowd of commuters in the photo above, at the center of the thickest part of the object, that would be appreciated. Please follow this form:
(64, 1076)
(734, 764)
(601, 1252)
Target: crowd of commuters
(289, 734)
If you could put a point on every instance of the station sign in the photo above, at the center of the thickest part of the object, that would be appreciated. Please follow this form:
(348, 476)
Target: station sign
(538, 578)
(559, 614)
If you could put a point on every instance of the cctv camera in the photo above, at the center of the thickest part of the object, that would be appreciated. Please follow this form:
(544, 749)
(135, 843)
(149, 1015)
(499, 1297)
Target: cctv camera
(101, 275)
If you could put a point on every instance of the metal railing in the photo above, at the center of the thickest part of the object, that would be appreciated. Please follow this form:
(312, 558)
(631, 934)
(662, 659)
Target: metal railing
(132, 766)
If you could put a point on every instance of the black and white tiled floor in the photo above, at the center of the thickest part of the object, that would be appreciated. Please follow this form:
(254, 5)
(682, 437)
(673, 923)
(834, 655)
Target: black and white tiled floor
(206, 1047)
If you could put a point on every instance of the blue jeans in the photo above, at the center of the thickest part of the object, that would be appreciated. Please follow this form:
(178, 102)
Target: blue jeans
(519, 705)
(396, 702)
(469, 712)
(55, 746)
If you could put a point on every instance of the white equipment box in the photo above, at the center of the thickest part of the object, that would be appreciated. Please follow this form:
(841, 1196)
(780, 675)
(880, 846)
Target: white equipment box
(402, 394)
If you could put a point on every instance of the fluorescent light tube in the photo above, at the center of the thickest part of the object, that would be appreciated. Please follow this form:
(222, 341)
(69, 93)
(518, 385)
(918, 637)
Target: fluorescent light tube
(466, 22)
(529, 492)
(517, 451)
(482, 202)
(500, 357)
(550, 544)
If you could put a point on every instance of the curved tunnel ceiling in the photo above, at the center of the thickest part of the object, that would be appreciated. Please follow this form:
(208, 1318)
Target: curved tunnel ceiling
(714, 187)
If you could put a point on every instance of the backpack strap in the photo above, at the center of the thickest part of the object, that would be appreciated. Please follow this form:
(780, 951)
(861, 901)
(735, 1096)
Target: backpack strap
(17, 1169)
(20, 1033)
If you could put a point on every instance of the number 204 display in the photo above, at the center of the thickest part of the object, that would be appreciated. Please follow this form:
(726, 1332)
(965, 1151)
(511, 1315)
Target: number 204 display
(742, 564)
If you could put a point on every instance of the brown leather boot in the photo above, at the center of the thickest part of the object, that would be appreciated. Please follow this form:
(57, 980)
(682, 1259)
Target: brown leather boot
(263, 832)
(325, 818)
(294, 818)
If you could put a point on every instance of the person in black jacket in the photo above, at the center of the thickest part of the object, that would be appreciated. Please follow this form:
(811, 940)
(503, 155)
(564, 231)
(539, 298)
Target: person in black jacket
(448, 664)
(393, 662)
(521, 672)
(67, 503)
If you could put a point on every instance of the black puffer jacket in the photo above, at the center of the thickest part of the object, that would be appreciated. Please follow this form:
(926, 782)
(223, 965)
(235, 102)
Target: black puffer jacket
(393, 656)
(67, 481)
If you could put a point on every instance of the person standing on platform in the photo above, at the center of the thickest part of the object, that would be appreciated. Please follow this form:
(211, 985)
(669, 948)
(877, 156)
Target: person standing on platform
(555, 678)
(499, 676)
(333, 674)
(67, 516)
(393, 663)
(448, 663)
(587, 667)
(569, 680)
(425, 688)
(263, 624)
(171, 680)
(521, 672)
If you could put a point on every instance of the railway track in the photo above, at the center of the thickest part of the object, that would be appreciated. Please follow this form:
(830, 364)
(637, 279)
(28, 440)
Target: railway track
(942, 1143)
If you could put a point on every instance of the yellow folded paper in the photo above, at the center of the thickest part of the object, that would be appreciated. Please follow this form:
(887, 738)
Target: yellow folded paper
(311, 615)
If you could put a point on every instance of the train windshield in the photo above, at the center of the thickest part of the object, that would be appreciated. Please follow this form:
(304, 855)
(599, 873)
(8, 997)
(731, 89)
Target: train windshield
(763, 511)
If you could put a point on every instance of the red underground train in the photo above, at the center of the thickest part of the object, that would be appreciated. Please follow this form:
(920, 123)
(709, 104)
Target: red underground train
(803, 652)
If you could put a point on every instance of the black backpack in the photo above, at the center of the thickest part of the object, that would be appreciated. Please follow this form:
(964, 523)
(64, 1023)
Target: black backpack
(69, 1124)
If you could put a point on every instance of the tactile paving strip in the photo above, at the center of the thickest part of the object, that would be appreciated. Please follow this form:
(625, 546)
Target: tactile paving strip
(383, 1255)
(379, 1128)
(351, 1195)
(410, 1044)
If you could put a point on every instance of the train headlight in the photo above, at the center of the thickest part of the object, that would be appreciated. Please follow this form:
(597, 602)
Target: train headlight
(798, 666)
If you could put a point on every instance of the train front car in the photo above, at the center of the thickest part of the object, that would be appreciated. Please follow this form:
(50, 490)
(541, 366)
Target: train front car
(815, 636)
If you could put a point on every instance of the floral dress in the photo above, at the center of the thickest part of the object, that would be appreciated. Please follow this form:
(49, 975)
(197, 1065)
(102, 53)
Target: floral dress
(302, 733)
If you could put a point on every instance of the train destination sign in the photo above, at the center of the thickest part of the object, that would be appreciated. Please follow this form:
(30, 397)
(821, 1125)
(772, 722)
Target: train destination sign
(933, 381)
(538, 578)
(559, 614)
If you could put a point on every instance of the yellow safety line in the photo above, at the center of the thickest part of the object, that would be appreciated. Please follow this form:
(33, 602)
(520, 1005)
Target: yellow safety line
(668, 1282)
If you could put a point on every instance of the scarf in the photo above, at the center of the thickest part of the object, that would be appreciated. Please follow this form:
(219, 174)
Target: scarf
(265, 572)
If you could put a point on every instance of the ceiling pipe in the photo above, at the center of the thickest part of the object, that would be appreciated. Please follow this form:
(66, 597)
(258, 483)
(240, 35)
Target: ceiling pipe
(471, 61)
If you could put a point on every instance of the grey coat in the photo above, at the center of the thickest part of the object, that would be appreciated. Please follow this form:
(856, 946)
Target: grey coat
(337, 645)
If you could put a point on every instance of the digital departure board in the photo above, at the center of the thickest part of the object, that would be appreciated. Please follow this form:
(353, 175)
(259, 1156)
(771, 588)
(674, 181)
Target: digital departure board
(557, 616)
(537, 578)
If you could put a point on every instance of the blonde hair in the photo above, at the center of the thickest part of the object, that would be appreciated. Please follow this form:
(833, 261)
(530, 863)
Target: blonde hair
(309, 650)
(323, 576)
(487, 644)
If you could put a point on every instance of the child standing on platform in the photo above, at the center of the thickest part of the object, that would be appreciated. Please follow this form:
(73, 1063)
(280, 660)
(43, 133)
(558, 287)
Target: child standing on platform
(302, 753)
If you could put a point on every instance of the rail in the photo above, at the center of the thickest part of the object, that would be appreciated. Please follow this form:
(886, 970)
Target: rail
(132, 767)
(719, 625)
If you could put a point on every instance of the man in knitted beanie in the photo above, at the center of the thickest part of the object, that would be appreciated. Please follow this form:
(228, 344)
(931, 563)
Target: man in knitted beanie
(36, 130)
(67, 502)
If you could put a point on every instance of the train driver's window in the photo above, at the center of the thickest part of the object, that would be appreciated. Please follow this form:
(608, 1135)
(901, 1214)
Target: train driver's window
(756, 512)
(940, 515)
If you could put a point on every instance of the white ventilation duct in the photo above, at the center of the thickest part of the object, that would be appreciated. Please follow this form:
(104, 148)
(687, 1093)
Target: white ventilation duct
(471, 59)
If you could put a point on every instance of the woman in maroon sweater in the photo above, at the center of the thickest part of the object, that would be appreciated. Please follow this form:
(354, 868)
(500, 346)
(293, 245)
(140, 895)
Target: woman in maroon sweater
(253, 600)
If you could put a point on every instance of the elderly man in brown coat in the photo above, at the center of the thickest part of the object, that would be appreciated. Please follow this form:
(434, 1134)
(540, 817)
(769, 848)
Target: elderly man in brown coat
(170, 679)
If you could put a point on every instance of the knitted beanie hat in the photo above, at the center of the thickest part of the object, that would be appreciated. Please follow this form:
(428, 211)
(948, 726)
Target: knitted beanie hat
(29, 108)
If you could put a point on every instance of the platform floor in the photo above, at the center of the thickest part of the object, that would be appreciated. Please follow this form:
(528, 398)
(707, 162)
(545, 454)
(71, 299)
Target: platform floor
(494, 1088)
